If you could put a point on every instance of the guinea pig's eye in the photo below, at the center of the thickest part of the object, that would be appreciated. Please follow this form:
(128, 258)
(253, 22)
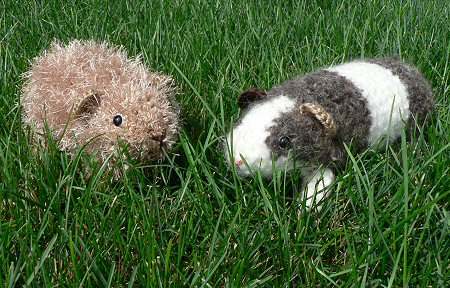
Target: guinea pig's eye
(284, 142)
(117, 120)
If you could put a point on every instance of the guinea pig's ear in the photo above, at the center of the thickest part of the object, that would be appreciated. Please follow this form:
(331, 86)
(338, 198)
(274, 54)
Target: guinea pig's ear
(249, 96)
(88, 105)
(319, 113)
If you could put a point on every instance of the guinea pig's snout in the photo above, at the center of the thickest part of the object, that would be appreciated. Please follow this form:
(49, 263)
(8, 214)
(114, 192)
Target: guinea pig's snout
(239, 164)
(159, 137)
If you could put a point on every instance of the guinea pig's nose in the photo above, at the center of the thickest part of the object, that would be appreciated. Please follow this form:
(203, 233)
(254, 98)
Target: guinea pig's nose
(239, 162)
(159, 137)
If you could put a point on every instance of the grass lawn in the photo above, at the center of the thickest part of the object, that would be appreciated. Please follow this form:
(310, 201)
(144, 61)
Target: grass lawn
(191, 221)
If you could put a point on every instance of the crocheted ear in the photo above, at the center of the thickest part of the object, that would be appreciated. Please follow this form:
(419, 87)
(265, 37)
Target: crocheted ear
(88, 105)
(318, 112)
(249, 96)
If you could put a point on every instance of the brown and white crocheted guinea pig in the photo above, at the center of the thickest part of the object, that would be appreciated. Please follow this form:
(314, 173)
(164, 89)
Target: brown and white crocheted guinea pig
(307, 120)
(93, 95)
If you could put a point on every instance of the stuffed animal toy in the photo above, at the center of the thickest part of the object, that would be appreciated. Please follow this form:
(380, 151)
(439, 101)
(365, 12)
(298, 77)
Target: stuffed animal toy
(93, 96)
(307, 120)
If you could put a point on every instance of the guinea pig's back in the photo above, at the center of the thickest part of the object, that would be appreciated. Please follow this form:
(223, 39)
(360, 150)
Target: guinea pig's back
(394, 92)
(420, 94)
(57, 82)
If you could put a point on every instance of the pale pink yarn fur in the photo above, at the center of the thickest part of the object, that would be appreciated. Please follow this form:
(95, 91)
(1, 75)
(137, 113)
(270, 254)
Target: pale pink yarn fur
(78, 89)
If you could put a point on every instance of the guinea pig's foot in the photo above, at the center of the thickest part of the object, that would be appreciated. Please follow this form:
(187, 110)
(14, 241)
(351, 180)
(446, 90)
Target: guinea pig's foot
(316, 187)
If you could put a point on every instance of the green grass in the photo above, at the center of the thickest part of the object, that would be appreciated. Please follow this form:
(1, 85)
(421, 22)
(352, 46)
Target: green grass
(192, 221)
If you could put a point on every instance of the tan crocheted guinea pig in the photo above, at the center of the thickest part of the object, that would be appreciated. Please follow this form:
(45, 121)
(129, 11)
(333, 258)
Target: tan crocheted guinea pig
(92, 95)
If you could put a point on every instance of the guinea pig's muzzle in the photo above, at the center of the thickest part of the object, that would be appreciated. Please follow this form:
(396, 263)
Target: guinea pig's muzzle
(160, 138)
(152, 148)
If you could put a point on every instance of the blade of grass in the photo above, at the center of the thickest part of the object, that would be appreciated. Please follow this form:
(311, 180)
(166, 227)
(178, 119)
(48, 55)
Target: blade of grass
(44, 256)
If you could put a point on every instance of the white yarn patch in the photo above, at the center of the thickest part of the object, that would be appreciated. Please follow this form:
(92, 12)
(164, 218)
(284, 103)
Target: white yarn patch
(248, 143)
(387, 98)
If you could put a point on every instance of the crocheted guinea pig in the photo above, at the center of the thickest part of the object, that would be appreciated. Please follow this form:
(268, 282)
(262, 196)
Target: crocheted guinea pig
(92, 95)
(307, 120)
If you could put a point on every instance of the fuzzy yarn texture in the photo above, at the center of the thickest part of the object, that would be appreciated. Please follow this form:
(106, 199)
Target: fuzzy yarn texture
(92, 95)
(308, 120)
